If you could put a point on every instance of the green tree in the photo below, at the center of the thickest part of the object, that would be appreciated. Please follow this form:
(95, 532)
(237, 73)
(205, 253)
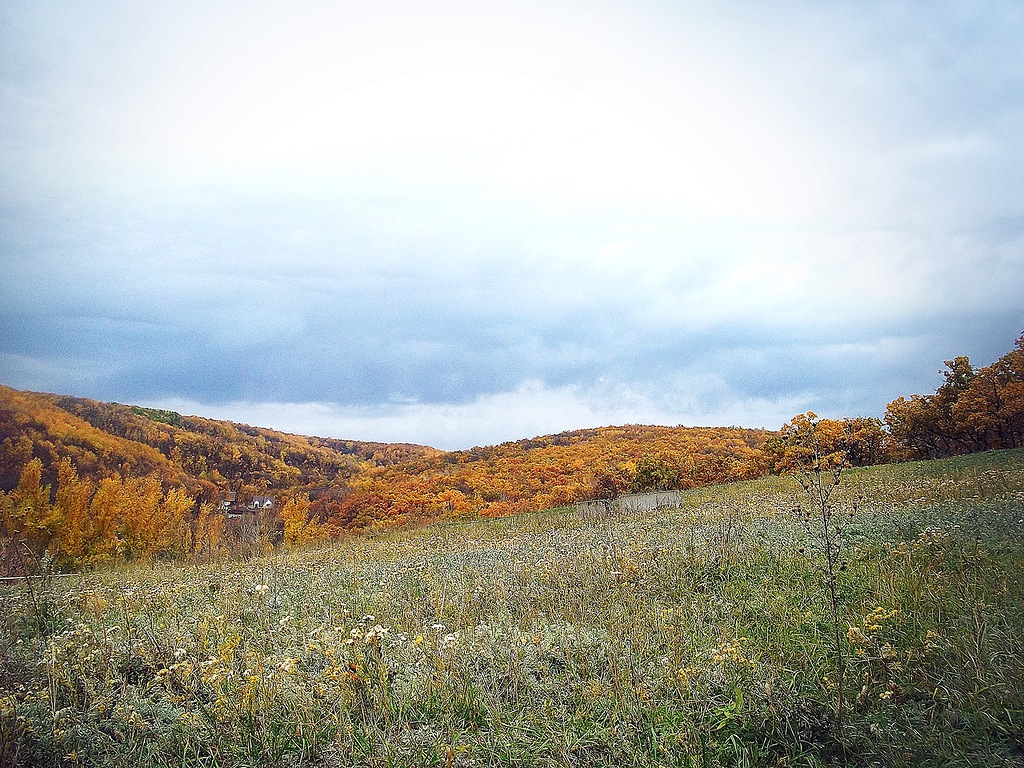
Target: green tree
(654, 474)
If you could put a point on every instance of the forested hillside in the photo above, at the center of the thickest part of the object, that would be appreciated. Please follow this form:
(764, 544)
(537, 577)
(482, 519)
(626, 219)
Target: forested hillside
(973, 410)
(112, 458)
(91, 482)
(549, 471)
(205, 456)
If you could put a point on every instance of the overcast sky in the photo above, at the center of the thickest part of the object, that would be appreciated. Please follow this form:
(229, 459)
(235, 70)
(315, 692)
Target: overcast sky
(458, 223)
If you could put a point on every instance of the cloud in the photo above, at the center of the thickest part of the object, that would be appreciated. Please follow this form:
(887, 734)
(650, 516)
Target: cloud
(749, 386)
(528, 410)
(477, 218)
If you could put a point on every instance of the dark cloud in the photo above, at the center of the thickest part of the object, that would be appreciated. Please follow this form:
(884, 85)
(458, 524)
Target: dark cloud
(869, 226)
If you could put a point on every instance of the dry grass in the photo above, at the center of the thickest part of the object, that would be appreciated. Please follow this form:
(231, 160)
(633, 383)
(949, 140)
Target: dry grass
(694, 637)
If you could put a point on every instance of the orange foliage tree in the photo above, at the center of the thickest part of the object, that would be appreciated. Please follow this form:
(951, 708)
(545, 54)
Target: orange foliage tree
(973, 410)
(859, 441)
(299, 526)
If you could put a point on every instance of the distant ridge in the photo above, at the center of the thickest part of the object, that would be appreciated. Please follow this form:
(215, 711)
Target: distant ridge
(354, 483)
(204, 455)
(110, 481)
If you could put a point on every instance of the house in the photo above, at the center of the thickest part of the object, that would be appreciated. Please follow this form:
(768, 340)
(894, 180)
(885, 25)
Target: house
(228, 504)
(253, 521)
(231, 507)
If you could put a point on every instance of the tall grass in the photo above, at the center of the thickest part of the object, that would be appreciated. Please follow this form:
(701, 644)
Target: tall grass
(694, 637)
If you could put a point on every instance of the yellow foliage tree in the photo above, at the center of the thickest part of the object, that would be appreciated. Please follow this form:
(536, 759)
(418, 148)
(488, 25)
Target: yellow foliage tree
(298, 527)
(72, 500)
(28, 514)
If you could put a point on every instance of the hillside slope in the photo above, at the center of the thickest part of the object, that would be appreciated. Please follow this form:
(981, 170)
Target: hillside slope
(352, 484)
(695, 636)
(552, 471)
(206, 456)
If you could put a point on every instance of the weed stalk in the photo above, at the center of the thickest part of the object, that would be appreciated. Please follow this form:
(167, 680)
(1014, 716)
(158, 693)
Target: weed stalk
(818, 470)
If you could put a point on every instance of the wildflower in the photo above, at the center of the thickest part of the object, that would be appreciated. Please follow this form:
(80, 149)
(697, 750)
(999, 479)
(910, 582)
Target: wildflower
(856, 636)
(730, 652)
(374, 635)
(686, 674)
(180, 653)
(261, 589)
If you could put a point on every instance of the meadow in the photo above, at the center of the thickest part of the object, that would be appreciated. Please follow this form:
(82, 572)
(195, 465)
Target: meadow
(702, 636)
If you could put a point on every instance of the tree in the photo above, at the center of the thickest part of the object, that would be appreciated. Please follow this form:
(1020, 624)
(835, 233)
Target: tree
(865, 441)
(992, 407)
(654, 474)
(914, 428)
(608, 483)
(954, 436)
(973, 410)
(15, 453)
(1011, 367)
(28, 514)
(72, 500)
(209, 531)
(141, 523)
(174, 517)
(103, 543)
(299, 528)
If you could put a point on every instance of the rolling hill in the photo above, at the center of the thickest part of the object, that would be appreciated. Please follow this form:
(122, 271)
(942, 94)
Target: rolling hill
(353, 484)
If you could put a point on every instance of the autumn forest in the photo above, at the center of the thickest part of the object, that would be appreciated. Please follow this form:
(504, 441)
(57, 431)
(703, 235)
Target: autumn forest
(86, 483)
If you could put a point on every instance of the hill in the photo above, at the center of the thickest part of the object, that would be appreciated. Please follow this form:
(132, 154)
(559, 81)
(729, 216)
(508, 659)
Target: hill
(206, 456)
(143, 482)
(48, 441)
(699, 636)
(555, 470)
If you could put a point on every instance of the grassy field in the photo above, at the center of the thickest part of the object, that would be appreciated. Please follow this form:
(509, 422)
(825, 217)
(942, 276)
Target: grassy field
(701, 637)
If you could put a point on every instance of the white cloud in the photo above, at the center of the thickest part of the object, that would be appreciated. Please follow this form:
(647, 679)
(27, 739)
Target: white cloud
(529, 410)
(333, 203)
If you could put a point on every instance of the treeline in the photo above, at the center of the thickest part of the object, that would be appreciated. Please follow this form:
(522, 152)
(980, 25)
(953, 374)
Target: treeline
(973, 410)
(77, 520)
(208, 458)
(541, 473)
(91, 482)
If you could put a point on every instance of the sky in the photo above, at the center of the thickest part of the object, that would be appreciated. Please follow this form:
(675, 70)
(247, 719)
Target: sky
(460, 222)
